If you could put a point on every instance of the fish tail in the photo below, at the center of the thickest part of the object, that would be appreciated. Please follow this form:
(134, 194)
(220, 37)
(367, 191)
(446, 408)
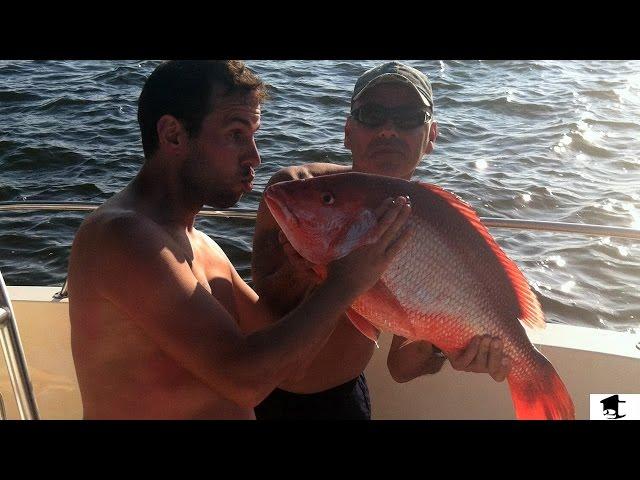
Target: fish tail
(540, 394)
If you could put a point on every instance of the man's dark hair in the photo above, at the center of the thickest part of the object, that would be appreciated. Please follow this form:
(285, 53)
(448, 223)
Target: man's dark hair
(184, 89)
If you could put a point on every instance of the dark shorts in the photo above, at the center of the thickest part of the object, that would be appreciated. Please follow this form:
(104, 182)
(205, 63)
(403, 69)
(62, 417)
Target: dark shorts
(349, 401)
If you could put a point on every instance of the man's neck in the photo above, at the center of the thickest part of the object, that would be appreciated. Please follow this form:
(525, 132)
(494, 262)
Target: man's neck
(159, 192)
(402, 177)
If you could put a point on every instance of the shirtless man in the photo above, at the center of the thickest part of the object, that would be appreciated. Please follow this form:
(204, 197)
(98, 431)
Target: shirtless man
(390, 129)
(157, 310)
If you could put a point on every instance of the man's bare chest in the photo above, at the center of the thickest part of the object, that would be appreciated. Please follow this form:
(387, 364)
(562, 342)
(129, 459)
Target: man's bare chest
(211, 268)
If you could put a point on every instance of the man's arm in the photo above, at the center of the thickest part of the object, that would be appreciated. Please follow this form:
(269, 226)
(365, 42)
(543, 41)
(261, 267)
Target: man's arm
(409, 360)
(278, 283)
(280, 280)
(161, 294)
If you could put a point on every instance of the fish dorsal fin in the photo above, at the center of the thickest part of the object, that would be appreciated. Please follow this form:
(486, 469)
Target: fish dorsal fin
(530, 310)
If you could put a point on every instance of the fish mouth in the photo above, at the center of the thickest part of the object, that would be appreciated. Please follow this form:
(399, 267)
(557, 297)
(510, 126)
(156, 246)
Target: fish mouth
(277, 203)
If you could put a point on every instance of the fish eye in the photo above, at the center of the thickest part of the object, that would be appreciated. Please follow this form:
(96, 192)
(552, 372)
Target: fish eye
(327, 198)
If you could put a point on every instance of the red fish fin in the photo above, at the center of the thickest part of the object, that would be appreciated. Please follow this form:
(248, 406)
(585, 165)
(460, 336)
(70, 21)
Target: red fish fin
(530, 311)
(381, 308)
(363, 325)
(541, 395)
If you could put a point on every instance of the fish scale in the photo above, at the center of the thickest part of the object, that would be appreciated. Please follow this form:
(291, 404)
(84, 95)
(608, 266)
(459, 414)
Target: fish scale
(413, 277)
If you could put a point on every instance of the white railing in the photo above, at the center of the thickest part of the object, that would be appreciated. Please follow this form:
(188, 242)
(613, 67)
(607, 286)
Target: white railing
(15, 359)
(580, 228)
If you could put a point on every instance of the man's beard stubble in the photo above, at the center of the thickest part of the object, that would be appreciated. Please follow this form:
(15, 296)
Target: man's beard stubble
(214, 194)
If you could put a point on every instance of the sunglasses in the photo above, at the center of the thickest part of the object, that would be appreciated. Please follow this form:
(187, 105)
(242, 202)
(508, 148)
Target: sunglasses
(373, 115)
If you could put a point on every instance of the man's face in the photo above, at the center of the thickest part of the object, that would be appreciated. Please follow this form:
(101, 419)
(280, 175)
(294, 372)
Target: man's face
(223, 156)
(387, 149)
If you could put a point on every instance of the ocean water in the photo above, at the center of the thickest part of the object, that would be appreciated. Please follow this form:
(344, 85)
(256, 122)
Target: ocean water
(533, 140)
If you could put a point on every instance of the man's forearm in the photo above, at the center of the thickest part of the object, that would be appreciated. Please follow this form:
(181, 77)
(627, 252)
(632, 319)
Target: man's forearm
(279, 351)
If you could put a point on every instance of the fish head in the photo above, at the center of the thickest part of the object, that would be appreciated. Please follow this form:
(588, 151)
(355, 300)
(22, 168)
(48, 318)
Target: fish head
(326, 217)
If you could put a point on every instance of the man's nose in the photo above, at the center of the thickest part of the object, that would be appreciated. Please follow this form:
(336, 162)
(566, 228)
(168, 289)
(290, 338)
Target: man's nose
(388, 129)
(255, 155)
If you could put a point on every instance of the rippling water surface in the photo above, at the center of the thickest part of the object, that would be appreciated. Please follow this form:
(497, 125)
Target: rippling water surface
(538, 140)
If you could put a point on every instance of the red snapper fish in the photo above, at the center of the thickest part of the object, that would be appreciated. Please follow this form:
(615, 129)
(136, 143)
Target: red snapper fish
(450, 282)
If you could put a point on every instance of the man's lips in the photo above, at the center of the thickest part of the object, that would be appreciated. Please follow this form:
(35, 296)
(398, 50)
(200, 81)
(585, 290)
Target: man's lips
(247, 182)
(386, 150)
(248, 174)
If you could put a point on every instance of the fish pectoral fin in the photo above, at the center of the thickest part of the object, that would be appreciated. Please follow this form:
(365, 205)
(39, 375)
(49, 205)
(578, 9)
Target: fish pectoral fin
(363, 325)
(387, 310)
(379, 306)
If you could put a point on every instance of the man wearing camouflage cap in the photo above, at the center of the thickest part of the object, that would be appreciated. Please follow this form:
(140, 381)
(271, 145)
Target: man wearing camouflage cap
(390, 129)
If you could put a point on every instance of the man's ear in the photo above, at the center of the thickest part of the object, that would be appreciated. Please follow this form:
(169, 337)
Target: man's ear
(430, 139)
(347, 133)
(171, 133)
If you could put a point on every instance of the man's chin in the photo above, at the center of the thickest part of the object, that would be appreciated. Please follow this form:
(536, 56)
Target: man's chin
(387, 167)
(386, 157)
(223, 203)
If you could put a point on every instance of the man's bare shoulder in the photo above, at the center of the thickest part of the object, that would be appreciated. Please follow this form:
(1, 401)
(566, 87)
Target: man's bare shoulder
(112, 226)
(211, 246)
(113, 240)
(126, 258)
(308, 170)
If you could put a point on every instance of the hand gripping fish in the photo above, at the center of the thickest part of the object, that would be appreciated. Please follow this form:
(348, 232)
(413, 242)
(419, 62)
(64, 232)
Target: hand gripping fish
(450, 282)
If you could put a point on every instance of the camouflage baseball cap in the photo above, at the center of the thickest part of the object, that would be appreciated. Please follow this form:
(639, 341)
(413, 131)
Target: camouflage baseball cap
(395, 72)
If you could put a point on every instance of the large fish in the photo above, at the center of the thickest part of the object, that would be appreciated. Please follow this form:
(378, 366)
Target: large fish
(450, 282)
